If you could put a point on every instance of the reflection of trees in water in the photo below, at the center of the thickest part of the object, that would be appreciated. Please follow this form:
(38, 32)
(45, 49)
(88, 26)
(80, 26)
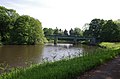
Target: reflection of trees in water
(17, 55)
(86, 48)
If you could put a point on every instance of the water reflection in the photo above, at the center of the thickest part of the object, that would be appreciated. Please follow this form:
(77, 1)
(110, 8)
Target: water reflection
(18, 55)
(59, 51)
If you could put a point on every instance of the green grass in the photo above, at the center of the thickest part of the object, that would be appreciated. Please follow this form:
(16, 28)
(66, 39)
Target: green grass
(64, 69)
(112, 46)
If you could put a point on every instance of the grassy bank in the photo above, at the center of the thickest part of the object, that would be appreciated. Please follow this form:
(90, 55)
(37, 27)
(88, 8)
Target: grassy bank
(66, 69)
(112, 46)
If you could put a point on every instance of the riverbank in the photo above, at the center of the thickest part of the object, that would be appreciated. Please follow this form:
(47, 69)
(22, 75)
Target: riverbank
(108, 45)
(108, 70)
(66, 68)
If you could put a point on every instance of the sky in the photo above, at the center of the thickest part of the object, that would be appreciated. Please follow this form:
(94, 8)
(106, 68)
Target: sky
(65, 14)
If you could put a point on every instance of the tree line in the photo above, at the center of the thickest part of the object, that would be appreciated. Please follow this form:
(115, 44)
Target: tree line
(104, 30)
(72, 32)
(24, 29)
(16, 29)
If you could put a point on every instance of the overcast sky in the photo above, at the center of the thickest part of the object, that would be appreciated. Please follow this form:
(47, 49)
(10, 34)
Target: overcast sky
(65, 14)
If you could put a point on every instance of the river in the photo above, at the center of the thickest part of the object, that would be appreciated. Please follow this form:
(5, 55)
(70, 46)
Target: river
(22, 55)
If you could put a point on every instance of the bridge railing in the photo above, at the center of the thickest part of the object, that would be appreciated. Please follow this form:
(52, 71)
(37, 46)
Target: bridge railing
(67, 36)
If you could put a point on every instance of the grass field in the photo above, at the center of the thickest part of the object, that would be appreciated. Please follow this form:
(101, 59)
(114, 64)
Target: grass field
(66, 69)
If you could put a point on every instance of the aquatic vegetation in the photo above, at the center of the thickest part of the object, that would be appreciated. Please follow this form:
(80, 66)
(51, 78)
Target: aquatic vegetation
(4, 67)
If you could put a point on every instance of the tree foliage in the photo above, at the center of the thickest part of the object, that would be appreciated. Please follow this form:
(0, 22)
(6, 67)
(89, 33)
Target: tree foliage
(77, 32)
(65, 32)
(56, 31)
(60, 32)
(105, 30)
(15, 29)
(71, 32)
(27, 30)
(48, 31)
(110, 31)
(7, 19)
(95, 27)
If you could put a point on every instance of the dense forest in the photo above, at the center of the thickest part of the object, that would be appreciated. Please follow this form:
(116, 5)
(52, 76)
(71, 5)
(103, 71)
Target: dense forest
(16, 29)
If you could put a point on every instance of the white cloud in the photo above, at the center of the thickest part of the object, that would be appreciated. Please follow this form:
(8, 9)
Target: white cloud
(66, 13)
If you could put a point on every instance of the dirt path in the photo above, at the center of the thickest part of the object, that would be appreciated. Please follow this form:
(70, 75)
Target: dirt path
(110, 70)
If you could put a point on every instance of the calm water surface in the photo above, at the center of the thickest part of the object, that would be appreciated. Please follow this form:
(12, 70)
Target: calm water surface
(18, 55)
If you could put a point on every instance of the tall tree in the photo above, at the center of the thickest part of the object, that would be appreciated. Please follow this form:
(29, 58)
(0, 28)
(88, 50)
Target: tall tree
(51, 31)
(56, 31)
(48, 31)
(78, 31)
(60, 32)
(71, 32)
(7, 20)
(4, 25)
(95, 27)
(118, 24)
(86, 33)
(27, 30)
(110, 31)
(65, 32)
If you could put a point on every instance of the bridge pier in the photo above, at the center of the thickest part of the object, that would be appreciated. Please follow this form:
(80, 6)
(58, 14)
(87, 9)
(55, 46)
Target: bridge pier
(55, 40)
(93, 41)
(75, 41)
